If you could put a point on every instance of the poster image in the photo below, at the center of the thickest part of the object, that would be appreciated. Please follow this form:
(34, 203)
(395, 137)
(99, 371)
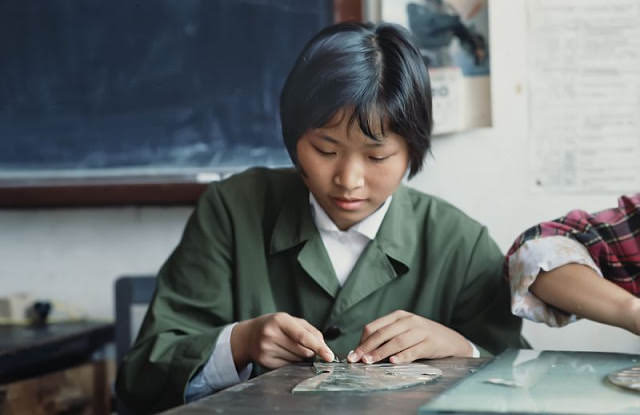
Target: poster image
(453, 38)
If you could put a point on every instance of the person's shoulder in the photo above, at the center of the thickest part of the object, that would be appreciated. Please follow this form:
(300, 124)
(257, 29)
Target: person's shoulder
(260, 176)
(434, 209)
(256, 186)
(447, 228)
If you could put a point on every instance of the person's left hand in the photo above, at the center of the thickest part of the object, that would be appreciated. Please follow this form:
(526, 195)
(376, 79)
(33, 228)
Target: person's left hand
(404, 337)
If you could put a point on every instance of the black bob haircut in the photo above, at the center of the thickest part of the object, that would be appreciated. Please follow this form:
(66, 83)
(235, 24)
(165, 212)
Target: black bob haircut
(374, 71)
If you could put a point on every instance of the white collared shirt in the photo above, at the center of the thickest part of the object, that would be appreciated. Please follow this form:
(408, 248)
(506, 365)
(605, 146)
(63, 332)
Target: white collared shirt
(345, 247)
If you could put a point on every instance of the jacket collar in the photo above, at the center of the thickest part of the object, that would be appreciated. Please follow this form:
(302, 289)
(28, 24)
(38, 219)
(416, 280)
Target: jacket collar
(386, 258)
(398, 232)
(294, 224)
(389, 255)
(368, 227)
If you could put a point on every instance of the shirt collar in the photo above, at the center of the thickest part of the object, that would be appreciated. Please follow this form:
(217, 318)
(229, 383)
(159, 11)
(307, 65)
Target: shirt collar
(367, 227)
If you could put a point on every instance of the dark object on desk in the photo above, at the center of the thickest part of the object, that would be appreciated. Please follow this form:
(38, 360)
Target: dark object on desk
(27, 351)
(38, 313)
(271, 394)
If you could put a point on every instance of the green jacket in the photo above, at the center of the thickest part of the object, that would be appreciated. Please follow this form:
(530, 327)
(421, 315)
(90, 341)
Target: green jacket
(251, 248)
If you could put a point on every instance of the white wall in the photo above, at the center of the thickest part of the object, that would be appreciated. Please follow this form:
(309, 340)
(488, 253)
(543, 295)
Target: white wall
(485, 173)
(74, 255)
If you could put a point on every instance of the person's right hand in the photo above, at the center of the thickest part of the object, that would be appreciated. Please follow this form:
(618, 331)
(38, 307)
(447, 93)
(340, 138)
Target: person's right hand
(275, 340)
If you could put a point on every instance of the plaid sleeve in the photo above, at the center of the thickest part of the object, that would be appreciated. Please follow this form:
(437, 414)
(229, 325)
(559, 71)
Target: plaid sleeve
(612, 238)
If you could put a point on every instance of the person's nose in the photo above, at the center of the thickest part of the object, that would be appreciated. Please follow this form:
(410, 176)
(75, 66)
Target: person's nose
(350, 174)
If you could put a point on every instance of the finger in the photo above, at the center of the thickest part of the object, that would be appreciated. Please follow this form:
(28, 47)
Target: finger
(422, 350)
(411, 354)
(294, 348)
(298, 334)
(376, 325)
(309, 327)
(394, 346)
(271, 353)
(285, 353)
(383, 335)
(379, 337)
(318, 334)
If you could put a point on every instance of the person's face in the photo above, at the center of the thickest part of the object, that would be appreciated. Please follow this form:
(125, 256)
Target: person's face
(350, 174)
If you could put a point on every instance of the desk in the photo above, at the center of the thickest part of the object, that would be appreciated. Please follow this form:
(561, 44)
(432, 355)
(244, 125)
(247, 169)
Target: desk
(271, 394)
(542, 382)
(27, 351)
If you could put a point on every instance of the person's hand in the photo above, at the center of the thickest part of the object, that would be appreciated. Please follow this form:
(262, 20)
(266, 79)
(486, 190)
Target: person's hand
(404, 337)
(277, 339)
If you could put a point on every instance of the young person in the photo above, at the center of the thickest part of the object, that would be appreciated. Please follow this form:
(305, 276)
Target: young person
(556, 268)
(334, 257)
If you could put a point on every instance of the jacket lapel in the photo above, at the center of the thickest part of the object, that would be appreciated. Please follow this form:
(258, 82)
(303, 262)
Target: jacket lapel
(399, 230)
(372, 271)
(384, 259)
(387, 257)
(295, 226)
(313, 258)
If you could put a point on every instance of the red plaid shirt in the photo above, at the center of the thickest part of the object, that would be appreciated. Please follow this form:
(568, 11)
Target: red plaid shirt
(611, 236)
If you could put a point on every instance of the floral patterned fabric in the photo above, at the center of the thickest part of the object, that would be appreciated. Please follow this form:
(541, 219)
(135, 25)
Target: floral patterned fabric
(607, 241)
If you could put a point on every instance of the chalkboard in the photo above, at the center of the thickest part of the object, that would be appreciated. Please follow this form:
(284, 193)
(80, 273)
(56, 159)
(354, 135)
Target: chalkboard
(163, 86)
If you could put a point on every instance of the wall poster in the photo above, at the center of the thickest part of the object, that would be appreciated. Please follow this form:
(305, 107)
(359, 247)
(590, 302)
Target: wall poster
(584, 83)
(453, 38)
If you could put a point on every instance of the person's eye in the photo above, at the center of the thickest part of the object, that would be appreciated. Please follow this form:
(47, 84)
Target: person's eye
(323, 152)
(379, 159)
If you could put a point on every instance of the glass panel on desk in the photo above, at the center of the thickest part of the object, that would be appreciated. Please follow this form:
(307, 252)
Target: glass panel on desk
(547, 382)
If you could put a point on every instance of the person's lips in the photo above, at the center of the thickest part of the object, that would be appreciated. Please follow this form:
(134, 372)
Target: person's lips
(348, 203)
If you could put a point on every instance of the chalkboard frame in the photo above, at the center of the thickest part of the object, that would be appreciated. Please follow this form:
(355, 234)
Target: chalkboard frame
(131, 190)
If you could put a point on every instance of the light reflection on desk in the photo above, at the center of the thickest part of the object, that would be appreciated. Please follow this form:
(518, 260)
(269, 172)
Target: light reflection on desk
(528, 381)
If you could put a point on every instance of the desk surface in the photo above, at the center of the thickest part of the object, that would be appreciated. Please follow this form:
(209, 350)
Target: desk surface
(543, 382)
(27, 351)
(271, 394)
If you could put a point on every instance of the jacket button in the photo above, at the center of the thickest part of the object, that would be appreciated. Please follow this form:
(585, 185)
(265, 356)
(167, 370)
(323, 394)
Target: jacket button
(332, 333)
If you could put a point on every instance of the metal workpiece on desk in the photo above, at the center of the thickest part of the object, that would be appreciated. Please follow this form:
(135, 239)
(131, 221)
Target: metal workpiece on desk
(361, 377)
(270, 393)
